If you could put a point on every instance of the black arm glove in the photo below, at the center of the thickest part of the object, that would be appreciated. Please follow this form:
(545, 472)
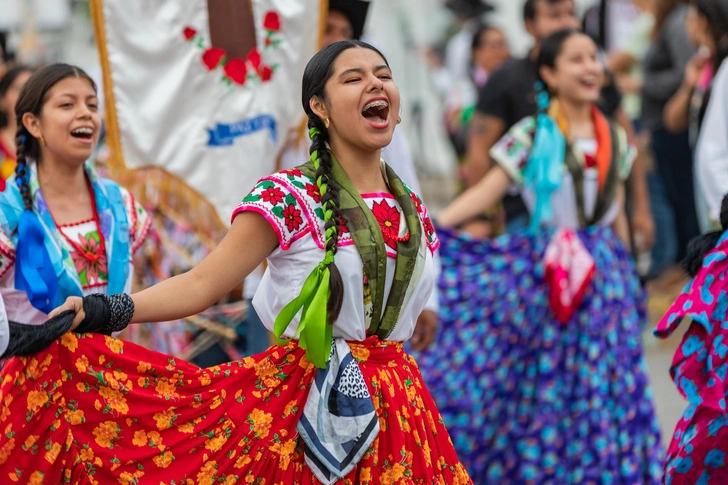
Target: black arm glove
(104, 314)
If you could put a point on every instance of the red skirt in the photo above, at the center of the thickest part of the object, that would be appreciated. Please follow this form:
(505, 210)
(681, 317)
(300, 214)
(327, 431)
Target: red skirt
(94, 409)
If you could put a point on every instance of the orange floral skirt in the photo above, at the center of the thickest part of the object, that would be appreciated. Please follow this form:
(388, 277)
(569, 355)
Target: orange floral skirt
(94, 409)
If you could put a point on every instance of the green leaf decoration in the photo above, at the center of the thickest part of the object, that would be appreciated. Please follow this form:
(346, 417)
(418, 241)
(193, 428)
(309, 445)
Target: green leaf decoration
(278, 211)
(290, 200)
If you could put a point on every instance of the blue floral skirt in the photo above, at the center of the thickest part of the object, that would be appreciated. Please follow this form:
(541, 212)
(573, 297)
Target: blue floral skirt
(527, 399)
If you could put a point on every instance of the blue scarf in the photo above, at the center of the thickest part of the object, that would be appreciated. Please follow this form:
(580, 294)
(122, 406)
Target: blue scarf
(43, 267)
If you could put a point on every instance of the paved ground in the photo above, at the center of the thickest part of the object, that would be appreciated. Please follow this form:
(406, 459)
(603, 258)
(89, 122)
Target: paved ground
(658, 353)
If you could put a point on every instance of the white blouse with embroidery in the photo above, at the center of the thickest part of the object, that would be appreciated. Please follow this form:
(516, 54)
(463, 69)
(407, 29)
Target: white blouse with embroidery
(92, 267)
(513, 151)
(290, 202)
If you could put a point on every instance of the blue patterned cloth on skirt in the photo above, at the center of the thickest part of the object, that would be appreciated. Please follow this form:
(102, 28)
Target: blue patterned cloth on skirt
(529, 400)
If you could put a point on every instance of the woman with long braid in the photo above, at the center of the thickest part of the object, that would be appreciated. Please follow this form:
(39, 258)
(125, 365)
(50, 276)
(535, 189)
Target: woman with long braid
(64, 231)
(350, 267)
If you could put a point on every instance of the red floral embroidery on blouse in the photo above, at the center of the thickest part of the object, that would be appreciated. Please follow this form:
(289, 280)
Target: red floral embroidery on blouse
(388, 218)
(342, 227)
(273, 195)
(92, 260)
(417, 201)
(292, 216)
(313, 192)
(293, 172)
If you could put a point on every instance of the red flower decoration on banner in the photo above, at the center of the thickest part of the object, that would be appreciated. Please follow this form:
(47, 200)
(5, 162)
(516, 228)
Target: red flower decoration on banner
(189, 32)
(272, 21)
(265, 72)
(273, 195)
(212, 57)
(268, 41)
(254, 58)
(313, 192)
(292, 217)
(388, 218)
(236, 70)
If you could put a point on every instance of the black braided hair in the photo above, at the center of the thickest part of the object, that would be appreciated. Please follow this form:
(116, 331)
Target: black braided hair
(699, 247)
(31, 100)
(318, 71)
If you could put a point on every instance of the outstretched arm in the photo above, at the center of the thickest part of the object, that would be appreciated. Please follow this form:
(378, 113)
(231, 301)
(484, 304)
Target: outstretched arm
(247, 243)
(476, 199)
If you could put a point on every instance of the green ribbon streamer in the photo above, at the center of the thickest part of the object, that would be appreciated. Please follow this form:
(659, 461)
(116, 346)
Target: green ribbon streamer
(314, 333)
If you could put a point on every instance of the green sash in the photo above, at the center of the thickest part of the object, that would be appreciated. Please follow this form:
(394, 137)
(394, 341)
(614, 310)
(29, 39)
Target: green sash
(313, 332)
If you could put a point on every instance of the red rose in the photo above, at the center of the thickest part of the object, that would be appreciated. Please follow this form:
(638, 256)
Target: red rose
(268, 41)
(236, 70)
(189, 32)
(265, 73)
(254, 58)
(272, 21)
(212, 57)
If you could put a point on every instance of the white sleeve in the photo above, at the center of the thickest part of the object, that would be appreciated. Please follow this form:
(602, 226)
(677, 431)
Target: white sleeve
(711, 154)
(433, 303)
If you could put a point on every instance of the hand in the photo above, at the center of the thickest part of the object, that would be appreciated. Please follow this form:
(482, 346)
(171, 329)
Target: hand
(693, 70)
(643, 229)
(425, 330)
(74, 304)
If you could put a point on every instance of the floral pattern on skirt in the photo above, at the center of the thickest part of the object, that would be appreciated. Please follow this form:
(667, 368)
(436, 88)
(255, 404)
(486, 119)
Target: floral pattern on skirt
(97, 410)
(697, 452)
(527, 399)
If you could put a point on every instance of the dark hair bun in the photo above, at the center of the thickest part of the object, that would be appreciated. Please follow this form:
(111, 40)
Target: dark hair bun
(699, 247)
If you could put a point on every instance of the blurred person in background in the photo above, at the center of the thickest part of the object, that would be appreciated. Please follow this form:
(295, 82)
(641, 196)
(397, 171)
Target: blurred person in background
(508, 97)
(701, 104)
(489, 50)
(540, 365)
(671, 188)
(10, 86)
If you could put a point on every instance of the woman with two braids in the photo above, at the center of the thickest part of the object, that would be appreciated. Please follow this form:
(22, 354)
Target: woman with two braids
(540, 376)
(64, 231)
(350, 268)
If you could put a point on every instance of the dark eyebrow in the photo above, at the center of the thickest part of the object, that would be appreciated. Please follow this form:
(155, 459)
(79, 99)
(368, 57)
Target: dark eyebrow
(357, 70)
(73, 96)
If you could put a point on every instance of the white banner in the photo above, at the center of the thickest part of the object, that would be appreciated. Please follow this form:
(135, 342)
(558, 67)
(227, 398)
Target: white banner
(204, 90)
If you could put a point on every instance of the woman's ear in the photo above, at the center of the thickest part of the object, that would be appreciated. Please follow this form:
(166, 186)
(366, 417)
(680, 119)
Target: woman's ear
(32, 124)
(318, 107)
(549, 77)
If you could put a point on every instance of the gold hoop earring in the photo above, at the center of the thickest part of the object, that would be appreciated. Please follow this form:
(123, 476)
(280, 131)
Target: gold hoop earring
(327, 123)
(399, 119)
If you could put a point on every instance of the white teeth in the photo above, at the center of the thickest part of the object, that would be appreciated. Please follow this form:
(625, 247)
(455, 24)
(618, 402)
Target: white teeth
(379, 104)
(83, 131)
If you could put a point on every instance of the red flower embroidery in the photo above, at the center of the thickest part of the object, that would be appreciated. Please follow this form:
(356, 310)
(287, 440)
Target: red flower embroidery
(342, 227)
(212, 57)
(429, 228)
(388, 218)
(272, 21)
(236, 70)
(189, 32)
(313, 192)
(417, 201)
(292, 217)
(254, 58)
(293, 172)
(265, 73)
(268, 41)
(91, 259)
(273, 195)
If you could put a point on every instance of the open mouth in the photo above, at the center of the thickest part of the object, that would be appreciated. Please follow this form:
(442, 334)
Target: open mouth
(589, 82)
(83, 133)
(376, 111)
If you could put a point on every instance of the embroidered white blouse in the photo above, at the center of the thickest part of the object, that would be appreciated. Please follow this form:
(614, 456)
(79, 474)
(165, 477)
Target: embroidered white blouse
(290, 202)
